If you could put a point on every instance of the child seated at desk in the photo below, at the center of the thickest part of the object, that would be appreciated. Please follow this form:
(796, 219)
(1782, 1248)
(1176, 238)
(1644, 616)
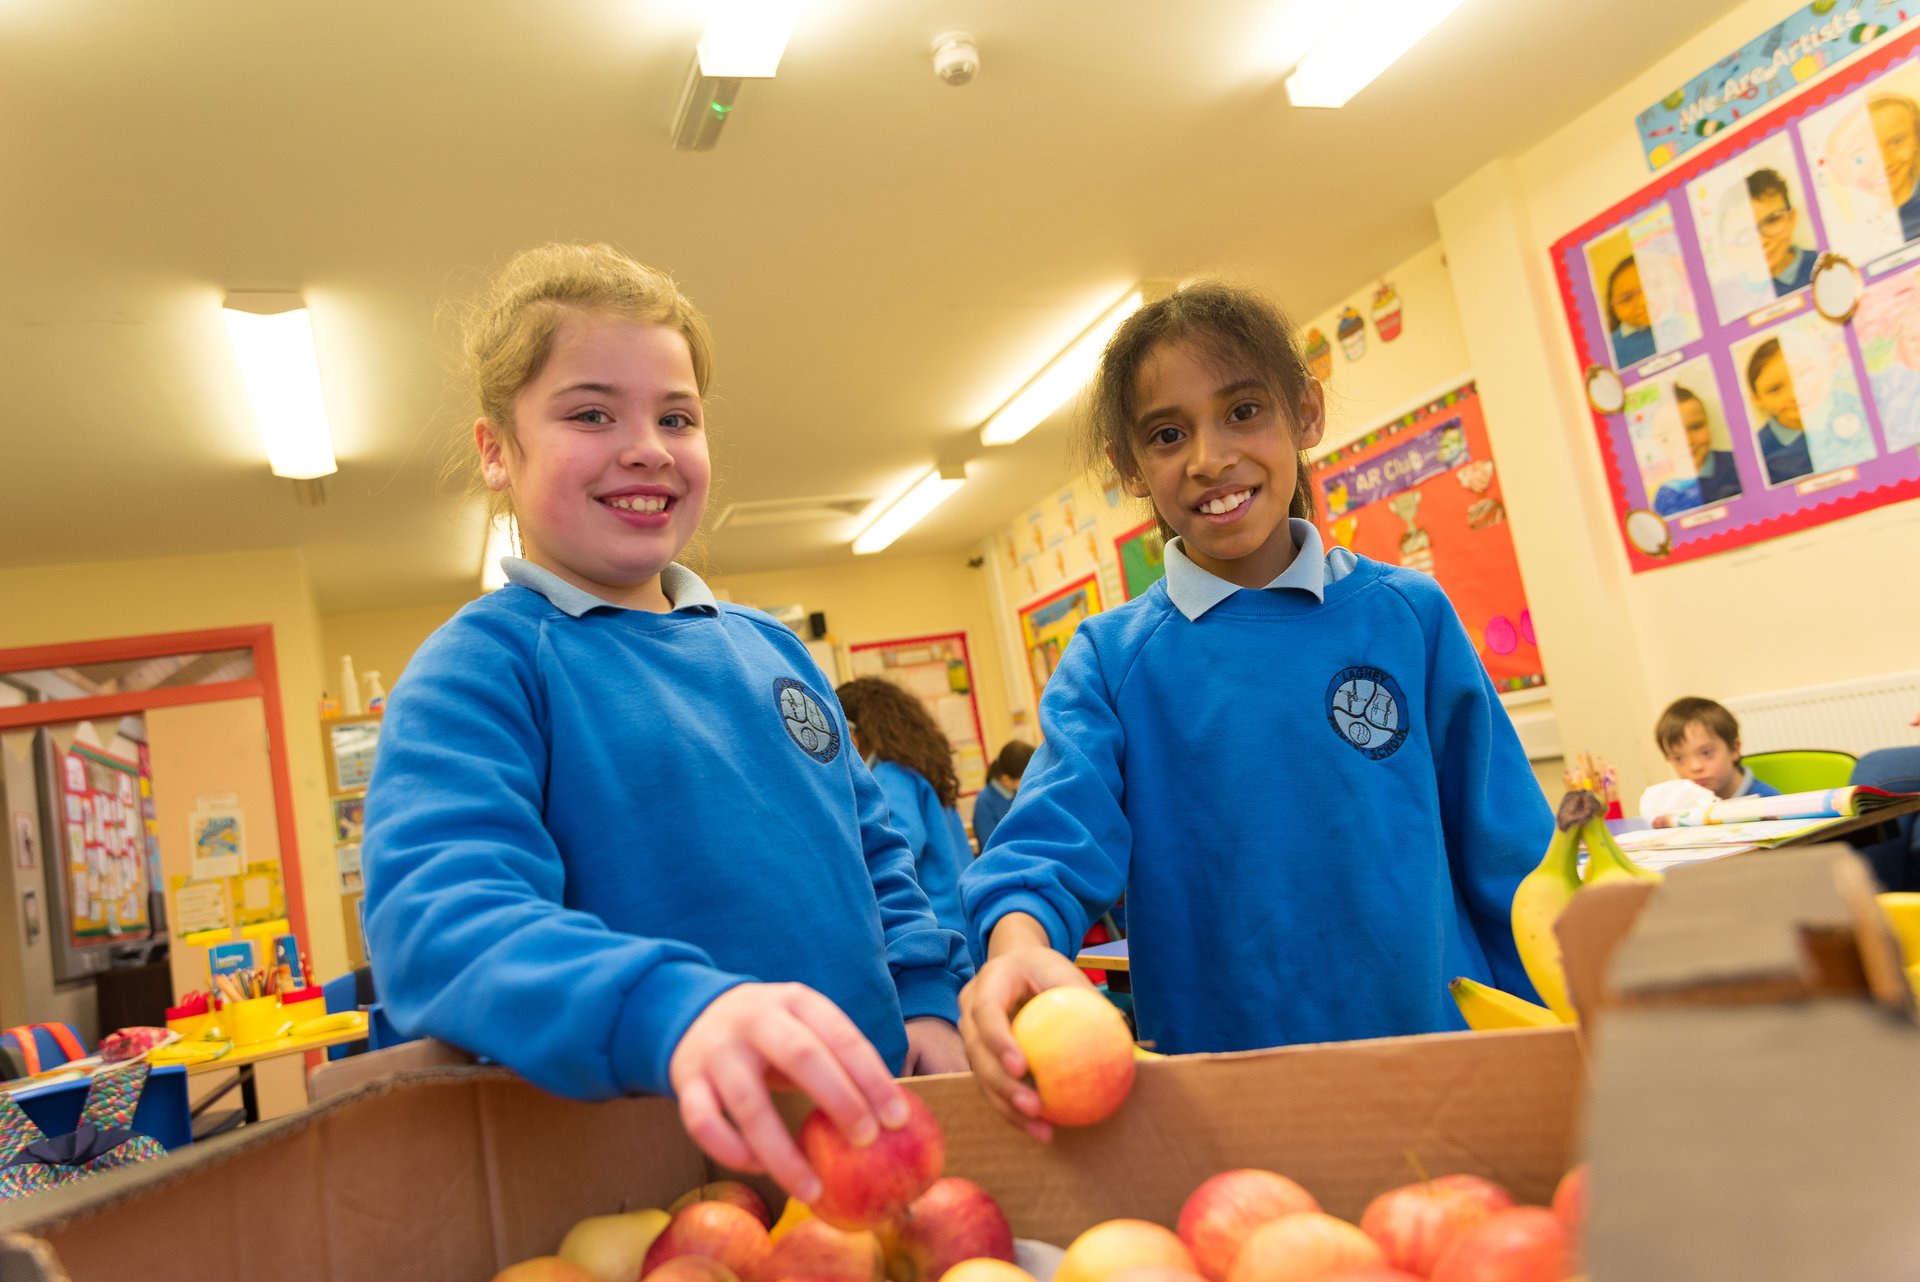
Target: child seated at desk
(1003, 780)
(1701, 741)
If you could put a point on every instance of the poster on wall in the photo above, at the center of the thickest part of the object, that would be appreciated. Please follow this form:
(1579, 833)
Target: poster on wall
(1743, 412)
(1814, 37)
(105, 854)
(1422, 492)
(1142, 553)
(1048, 624)
(937, 671)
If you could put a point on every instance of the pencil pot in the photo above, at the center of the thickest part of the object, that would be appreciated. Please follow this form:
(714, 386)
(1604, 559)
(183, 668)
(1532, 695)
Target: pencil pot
(258, 1019)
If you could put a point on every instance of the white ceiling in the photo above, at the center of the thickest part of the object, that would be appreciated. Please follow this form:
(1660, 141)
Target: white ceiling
(884, 257)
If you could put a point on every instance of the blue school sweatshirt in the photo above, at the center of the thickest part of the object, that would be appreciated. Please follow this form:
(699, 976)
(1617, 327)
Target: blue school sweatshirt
(1313, 800)
(934, 834)
(586, 822)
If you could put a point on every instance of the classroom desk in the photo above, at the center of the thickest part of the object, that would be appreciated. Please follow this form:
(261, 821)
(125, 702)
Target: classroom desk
(243, 1058)
(1108, 956)
(1861, 829)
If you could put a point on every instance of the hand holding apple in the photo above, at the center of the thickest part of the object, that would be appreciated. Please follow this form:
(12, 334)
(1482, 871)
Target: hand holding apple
(863, 1187)
(1080, 1054)
(1021, 964)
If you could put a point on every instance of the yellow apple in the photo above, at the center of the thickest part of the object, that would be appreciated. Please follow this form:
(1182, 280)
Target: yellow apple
(1079, 1053)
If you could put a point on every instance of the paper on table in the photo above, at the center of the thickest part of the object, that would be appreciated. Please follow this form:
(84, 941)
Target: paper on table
(1707, 836)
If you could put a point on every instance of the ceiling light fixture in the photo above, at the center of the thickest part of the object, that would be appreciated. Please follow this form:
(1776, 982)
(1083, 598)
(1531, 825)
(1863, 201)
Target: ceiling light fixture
(1064, 375)
(272, 337)
(501, 542)
(1366, 40)
(743, 40)
(905, 512)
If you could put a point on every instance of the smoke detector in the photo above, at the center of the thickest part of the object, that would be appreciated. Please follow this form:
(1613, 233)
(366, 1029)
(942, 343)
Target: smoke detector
(955, 57)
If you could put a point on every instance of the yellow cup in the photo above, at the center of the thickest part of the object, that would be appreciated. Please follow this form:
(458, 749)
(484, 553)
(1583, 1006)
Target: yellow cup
(1903, 914)
(258, 1019)
(192, 1026)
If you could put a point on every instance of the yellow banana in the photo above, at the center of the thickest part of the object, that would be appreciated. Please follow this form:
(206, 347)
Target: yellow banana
(1486, 1008)
(1541, 895)
(1607, 862)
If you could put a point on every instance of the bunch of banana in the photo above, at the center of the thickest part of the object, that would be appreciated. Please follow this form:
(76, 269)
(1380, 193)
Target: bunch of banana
(1537, 904)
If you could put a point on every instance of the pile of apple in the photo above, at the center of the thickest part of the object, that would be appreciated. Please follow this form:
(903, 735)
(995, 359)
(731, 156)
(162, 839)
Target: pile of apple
(886, 1213)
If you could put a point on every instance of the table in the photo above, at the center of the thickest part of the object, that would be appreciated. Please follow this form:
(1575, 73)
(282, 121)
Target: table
(243, 1058)
(1111, 955)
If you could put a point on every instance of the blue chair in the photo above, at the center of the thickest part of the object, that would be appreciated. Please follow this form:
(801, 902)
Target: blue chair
(164, 1112)
(354, 991)
(39, 1047)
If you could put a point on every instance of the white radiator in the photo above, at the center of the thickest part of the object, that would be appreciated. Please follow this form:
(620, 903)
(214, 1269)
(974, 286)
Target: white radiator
(1853, 716)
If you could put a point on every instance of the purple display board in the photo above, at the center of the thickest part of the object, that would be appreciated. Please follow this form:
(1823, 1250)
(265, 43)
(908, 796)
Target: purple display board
(1747, 414)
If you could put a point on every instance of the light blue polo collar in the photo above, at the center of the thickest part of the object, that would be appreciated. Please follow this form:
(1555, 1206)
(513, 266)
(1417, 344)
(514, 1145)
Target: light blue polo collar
(1195, 591)
(683, 588)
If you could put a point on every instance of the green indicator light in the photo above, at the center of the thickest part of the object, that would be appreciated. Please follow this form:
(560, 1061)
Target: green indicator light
(718, 109)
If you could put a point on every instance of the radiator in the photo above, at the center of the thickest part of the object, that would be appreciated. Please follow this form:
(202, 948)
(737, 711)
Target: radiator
(1852, 716)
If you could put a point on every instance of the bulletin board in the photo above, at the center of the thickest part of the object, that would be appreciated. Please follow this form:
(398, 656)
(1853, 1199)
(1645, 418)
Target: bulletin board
(103, 847)
(938, 671)
(1422, 492)
(1142, 554)
(1046, 625)
(1747, 414)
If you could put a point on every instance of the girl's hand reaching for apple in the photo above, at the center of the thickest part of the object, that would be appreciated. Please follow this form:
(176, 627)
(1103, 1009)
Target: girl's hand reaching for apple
(721, 1067)
(1021, 963)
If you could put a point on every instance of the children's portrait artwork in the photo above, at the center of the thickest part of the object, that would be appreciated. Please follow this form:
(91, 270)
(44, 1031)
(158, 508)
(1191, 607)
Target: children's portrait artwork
(1864, 151)
(1681, 441)
(1755, 237)
(1888, 328)
(1803, 403)
(1639, 280)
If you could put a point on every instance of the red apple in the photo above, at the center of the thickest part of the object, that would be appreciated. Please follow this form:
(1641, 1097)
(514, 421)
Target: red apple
(1520, 1244)
(1155, 1273)
(1477, 1187)
(1570, 1201)
(691, 1268)
(1116, 1246)
(1303, 1247)
(718, 1230)
(731, 1191)
(1224, 1209)
(863, 1188)
(1079, 1054)
(954, 1220)
(543, 1268)
(1414, 1223)
(815, 1249)
(1372, 1273)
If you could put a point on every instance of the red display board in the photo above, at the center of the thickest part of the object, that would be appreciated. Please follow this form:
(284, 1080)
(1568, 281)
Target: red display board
(1422, 492)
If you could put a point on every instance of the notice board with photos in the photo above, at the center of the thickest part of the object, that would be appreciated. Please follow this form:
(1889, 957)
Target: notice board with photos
(937, 671)
(1421, 491)
(1744, 413)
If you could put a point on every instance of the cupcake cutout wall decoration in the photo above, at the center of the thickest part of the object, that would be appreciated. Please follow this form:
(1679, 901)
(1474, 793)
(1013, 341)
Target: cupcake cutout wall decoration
(1353, 334)
(1319, 355)
(1386, 313)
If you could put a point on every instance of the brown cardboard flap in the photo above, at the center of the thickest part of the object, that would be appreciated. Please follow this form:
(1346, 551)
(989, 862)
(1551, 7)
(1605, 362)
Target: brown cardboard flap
(1782, 925)
(1590, 929)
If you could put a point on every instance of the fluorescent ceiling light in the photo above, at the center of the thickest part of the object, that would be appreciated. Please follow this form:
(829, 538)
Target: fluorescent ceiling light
(500, 543)
(901, 515)
(273, 338)
(746, 37)
(1368, 38)
(1053, 386)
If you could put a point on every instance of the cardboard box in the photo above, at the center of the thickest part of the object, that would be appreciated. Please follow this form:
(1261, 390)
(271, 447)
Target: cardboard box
(1756, 1065)
(446, 1175)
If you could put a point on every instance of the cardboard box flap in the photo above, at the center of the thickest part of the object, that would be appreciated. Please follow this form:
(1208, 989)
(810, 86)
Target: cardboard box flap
(1766, 926)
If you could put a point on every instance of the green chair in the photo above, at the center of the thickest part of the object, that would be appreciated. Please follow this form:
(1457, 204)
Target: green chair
(1801, 769)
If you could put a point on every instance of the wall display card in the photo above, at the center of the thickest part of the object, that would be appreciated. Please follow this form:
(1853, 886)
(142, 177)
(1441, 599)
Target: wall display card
(258, 895)
(200, 906)
(347, 857)
(1423, 492)
(938, 672)
(1746, 413)
(350, 751)
(1794, 50)
(1142, 552)
(218, 839)
(26, 840)
(349, 818)
(1048, 624)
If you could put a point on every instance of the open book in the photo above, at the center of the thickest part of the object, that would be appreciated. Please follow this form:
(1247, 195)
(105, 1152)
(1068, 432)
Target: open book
(1830, 803)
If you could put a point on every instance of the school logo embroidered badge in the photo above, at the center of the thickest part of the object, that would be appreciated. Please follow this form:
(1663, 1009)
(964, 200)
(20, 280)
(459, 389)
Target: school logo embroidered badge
(1366, 708)
(808, 725)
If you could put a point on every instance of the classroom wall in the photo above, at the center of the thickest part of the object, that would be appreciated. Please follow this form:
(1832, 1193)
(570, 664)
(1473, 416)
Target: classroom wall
(882, 598)
(1620, 646)
(381, 641)
(96, 600)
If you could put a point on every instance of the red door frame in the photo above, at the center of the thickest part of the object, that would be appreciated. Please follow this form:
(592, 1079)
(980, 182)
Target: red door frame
(265, 683)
